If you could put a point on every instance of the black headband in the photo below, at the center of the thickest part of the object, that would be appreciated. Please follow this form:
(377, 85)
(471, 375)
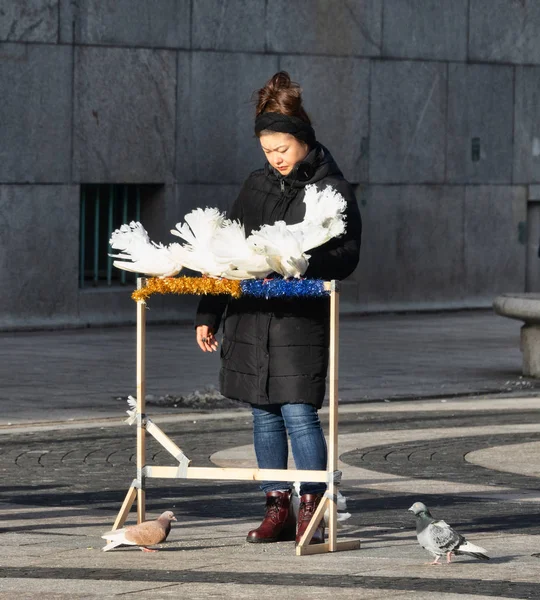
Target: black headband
(271, 121)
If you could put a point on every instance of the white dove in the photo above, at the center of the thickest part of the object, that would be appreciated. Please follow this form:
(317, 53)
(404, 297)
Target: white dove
(283, 248)
(439, 538)
(324, 218)
(199, 229)
(144, 256)
(244, 261)
(145, 534)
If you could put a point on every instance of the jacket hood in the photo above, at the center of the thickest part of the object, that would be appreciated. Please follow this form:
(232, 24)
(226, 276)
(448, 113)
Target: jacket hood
(317, 165)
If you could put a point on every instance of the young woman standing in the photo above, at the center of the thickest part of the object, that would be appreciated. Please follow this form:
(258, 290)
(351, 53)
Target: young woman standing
(274, 353)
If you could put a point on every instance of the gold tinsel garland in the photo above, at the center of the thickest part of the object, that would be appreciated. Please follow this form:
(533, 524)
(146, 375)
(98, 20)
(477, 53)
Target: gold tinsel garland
(187, 285)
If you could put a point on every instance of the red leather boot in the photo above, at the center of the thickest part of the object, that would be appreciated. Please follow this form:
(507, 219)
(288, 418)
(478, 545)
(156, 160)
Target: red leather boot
(278, 524)
(308, 506)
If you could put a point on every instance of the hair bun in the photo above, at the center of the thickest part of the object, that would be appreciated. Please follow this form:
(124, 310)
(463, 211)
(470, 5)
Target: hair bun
(281, 80)
(281, 95)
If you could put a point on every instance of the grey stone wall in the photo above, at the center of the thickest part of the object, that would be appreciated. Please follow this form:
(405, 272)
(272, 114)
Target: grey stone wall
(124, 115)
(431, 108)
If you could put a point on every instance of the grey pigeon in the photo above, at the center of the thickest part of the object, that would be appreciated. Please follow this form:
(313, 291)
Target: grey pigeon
(439, 538)
(145, 534)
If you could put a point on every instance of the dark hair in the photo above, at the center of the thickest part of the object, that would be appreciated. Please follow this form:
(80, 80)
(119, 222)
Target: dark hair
(281, 95)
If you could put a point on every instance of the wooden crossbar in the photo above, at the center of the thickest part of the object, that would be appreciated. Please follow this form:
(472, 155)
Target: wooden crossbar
(137, 490)
(240, 474)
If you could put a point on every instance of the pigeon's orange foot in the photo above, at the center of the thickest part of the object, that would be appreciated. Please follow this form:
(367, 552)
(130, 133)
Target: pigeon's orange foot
(449, 557)
(145, 549)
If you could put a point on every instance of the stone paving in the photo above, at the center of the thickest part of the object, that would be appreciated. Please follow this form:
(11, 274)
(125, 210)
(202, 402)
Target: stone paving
(64, 487)
(64, 478)
(80, 373)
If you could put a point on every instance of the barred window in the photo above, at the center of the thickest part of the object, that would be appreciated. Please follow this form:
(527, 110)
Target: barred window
(103, 208)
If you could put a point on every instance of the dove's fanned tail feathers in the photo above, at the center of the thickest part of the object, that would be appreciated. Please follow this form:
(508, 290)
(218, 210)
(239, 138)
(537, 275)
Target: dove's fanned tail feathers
(200, 225)
(323, 205)
(324, 218)
(229, 241)
(472, 550)
(139, 254)
(129, 236)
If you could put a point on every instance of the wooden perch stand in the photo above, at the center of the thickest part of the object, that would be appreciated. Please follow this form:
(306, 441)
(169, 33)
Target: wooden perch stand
(185, 471)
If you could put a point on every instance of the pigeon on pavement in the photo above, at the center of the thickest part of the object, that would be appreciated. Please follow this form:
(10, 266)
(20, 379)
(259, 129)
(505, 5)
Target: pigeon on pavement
(439, 538)
(145, 534)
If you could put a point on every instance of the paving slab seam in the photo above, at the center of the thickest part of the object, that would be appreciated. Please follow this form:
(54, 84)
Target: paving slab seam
(468, 403)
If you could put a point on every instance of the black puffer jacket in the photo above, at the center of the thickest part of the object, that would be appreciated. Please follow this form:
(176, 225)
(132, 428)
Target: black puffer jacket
(276, 351)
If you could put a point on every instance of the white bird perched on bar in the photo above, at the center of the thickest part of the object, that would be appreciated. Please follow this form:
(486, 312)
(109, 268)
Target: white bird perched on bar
(284, 249)
(285, 246)
(140, 255)
(200, 228)
(242, 260)
(324, 218)
(217, 246)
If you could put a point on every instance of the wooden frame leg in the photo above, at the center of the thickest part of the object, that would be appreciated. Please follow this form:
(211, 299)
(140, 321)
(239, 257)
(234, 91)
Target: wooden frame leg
(318, 515)
(141, 403)
(333, 413)
(329, 502)
(125, 508)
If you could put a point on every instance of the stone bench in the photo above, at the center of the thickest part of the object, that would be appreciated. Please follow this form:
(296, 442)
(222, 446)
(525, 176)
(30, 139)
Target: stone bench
(526, 308)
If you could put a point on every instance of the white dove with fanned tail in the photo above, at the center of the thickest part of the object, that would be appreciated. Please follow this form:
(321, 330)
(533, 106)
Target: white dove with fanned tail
(145, 534)
(198, 231)
(282, 247)
(324, 218)
(243, 260)
(218, 247)
(140, 255)
(438, 538)
(286, 246)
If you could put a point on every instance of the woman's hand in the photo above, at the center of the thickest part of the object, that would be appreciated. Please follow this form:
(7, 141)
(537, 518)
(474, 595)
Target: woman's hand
(205, 338)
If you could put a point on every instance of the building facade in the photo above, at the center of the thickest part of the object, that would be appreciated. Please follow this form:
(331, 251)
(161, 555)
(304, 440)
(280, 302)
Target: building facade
(119, 109)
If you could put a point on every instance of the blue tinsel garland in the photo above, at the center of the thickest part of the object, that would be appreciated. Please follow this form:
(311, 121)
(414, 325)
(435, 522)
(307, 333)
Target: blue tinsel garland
(281, 288)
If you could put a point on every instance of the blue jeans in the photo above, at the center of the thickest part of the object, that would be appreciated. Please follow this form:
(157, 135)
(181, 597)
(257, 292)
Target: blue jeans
(270, 426)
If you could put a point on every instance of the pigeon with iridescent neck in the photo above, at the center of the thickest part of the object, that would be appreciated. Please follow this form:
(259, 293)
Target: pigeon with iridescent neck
(438, 538)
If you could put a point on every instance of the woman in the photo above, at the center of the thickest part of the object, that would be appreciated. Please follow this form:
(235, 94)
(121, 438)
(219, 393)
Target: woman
(274, 353)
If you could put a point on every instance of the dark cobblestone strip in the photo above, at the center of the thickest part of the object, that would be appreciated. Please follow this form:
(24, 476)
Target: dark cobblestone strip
(444, 459)
(379, 421)
(479, 587)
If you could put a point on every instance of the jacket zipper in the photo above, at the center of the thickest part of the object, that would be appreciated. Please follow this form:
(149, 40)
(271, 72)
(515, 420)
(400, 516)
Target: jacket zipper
(282, 185)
